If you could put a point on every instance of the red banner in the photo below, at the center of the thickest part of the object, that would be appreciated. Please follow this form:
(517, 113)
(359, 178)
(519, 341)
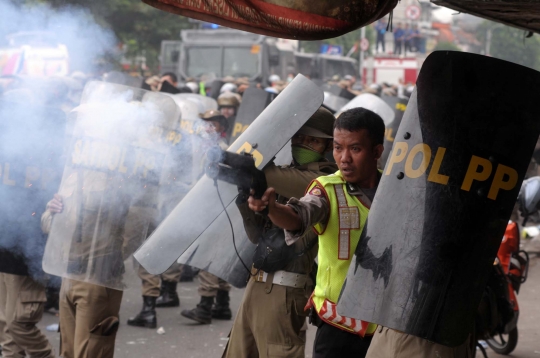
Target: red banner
(298, 19)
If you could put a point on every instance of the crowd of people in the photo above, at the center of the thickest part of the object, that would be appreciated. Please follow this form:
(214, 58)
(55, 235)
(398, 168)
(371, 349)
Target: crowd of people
(407, 38)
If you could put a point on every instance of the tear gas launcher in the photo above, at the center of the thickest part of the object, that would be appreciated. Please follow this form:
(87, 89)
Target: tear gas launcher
(237, 169)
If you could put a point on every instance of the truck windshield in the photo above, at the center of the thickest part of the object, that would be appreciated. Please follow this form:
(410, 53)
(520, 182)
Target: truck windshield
(203, 60)
(222, 61)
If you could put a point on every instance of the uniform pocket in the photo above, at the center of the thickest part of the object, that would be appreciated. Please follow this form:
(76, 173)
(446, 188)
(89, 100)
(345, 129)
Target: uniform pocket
(285, 351)
(30, 306)
(102, 336)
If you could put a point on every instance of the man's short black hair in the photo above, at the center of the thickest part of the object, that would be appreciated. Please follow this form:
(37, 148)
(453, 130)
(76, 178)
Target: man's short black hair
(172, 74)
(359, 118)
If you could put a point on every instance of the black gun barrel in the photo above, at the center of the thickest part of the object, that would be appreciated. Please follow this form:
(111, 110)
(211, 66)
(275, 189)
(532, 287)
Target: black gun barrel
(233, 176)
(238, 161)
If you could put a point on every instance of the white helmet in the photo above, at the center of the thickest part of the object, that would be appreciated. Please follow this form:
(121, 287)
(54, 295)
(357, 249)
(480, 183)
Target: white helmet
(193, 87)
(274, 78)
(228, 87)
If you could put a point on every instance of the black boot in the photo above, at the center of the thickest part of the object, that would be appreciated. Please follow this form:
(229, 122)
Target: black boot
(187, 274)
(169, 297)
(221, 309)
(147, 316)
(202, 313)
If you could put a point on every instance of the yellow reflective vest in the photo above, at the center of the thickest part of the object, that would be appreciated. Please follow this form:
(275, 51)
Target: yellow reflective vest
(337, 242)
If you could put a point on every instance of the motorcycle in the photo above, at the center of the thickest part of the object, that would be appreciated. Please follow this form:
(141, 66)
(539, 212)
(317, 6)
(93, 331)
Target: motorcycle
(497, 317)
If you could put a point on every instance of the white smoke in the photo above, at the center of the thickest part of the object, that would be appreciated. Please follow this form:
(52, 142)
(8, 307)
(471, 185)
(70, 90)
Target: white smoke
(73, 27)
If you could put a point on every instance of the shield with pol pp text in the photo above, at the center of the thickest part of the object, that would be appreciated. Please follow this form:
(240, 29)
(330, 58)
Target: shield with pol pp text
(263, 139)
(445, 197)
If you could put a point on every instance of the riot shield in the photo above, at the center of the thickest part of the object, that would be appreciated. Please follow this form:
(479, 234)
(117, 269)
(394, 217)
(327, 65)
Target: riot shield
(216, 86)
(400, 104)
(374, 104)
(119, 155)
(194, 128)
(445, 197)
(208, 102)
(31, 163)
(334, 102)
(221, 254)
(202, 205)
(253, 103)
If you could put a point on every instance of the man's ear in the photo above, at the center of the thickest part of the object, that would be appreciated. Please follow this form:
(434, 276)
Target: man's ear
(329, 146)
(377, 151)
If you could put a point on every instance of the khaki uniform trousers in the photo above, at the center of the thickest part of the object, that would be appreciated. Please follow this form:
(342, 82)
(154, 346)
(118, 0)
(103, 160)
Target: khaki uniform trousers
(210, 284)
(151, 283)
(22, 301)
(271, 322)
(389, 343)
(88, 319)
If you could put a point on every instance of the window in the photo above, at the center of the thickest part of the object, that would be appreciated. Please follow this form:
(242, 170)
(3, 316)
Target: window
(203, 60)
(240, 61)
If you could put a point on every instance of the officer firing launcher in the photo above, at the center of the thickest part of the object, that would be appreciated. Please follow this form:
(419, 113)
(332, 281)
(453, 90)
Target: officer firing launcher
(237, 169)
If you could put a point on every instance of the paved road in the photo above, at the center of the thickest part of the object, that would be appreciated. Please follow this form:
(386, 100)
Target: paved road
(184, 339)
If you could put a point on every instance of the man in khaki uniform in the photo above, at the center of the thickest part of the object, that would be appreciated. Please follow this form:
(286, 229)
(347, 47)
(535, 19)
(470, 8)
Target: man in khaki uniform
(88, 312)
(211, 286)
(228, 104)
(271, 320)
(155, 295)
(22, 300)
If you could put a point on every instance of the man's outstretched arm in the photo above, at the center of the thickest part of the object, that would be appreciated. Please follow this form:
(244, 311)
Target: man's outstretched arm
(281, 215)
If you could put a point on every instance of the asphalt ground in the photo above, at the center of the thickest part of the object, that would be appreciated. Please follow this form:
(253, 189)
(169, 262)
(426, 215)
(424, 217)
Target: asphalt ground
(186, 339)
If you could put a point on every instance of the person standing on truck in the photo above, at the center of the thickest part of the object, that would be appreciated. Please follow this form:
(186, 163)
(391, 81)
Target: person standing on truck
(380, 28)
(398, 39)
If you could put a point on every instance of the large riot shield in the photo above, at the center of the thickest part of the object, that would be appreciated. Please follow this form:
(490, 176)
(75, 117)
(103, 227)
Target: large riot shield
(254, 101)
(334, 102)
(208, 102)
(445, 197)
(31, 163)
(202, 206)
(218, 252)
(120, 153)
(399, 105)
(194, 129)
(374, 104)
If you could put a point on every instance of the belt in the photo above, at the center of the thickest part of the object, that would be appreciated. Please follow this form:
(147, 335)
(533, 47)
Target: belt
(282, 278)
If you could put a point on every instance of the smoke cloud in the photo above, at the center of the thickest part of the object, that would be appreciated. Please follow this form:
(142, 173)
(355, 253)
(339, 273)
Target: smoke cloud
(73, 27)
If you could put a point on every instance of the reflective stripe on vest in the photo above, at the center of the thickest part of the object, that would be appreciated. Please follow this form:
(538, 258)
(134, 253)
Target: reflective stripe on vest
(337, 241)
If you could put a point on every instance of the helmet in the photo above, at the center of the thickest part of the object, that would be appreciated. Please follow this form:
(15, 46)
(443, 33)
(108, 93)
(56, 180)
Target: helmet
(228, 87)
(228, 99)
(214, 115)
(193, 87)
(273, 78)
(320, 124)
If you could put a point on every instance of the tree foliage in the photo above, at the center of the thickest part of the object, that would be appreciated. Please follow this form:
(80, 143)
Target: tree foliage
(510, 44)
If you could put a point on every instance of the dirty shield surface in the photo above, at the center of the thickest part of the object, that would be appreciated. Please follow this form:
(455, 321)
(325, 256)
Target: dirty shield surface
(445, 197)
